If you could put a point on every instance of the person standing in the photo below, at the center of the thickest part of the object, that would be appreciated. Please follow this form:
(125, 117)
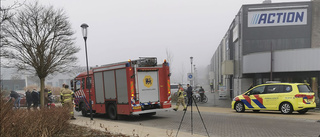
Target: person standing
(29, 99)
(35, 98)
(50, 97)
(189, 94)
(201, 92)
(211, 86)
(180, 99)
(17, 98)
(67, 97)
(49, 93)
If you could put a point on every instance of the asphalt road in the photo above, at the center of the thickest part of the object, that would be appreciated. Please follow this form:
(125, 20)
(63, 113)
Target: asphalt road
(225, 124)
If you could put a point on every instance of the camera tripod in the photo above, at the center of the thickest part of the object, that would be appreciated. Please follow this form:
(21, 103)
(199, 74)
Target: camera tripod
(192, 100)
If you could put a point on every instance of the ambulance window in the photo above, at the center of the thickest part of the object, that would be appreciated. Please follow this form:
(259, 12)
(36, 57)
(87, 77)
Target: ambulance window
(286, 89)
(257, 90)
(273, 89)
(304, 89)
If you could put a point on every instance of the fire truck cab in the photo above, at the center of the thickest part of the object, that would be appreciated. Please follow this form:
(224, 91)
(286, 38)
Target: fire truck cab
(126, 88)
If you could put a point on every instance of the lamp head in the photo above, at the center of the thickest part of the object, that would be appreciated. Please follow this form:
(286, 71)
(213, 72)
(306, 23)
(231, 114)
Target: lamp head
(84, 27)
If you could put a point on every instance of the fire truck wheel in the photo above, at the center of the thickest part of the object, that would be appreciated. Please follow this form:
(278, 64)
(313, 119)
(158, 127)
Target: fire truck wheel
(84, 111)
(112, 112)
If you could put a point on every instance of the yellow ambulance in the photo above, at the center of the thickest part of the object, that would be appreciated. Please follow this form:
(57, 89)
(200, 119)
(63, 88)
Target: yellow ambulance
(284, 97)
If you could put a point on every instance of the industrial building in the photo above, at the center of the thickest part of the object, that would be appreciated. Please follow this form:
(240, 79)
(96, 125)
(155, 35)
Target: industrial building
(269, 42)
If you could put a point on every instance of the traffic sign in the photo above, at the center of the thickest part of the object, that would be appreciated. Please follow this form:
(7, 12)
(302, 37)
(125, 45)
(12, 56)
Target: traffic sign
(190, 76)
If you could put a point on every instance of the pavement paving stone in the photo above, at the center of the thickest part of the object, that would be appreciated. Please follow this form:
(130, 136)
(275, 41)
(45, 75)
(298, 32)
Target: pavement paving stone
(131, 128)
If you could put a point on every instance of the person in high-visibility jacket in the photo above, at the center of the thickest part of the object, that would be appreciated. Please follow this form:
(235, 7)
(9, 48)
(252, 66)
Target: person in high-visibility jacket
(180, 99)
(67, 97)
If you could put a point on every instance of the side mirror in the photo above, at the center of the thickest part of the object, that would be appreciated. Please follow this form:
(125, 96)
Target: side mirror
(71, 83)
(248, 94)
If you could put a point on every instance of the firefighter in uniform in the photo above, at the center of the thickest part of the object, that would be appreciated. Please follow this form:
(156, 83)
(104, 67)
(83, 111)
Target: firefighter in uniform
(62, 88)
(67, 96)
(180, 99)
(61, 91)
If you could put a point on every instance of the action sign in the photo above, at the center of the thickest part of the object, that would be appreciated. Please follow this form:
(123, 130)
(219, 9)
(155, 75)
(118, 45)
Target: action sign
(277, 18)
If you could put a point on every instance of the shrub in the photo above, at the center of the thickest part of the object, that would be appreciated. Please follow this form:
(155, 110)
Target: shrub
(43, 122)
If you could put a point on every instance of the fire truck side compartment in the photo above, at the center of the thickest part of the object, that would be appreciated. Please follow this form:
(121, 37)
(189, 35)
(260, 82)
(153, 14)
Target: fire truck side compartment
(109, 84)
(122, 91)
(98, 85)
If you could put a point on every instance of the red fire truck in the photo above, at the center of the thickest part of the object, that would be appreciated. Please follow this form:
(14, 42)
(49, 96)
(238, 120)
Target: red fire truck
(126, 88)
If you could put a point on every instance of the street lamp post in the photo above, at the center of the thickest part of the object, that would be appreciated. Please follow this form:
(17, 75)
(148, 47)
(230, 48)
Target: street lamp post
(191, 58)
(85, 33)
(194, 75)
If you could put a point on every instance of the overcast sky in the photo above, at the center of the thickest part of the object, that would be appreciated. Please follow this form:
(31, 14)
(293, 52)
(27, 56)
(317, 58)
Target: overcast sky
(128, 29)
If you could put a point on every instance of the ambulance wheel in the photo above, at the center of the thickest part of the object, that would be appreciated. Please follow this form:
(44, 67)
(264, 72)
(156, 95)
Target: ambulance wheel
(112, 112)
(84, 110)
(286, 108)
(239, 107)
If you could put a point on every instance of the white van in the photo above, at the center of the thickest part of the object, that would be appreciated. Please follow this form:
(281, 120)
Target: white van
(174, 88)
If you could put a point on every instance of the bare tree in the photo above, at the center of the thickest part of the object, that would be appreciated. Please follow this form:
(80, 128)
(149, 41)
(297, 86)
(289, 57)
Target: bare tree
(40, 39)
(6, 15)
(170, 58)
(16, 77)
(76, 70)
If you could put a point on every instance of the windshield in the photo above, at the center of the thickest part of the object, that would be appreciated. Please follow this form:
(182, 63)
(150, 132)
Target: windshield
(304, 89)
(77, 85)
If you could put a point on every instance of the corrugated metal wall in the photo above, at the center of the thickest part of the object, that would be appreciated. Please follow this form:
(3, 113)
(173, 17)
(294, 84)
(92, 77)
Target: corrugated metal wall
(315, 24)
(298, 60)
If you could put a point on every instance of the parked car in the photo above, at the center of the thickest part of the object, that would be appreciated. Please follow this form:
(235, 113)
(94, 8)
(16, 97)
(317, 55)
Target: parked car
(174, 88)
(284, 97)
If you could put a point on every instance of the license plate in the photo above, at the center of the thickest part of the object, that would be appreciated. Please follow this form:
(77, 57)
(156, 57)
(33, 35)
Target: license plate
(137, 107)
